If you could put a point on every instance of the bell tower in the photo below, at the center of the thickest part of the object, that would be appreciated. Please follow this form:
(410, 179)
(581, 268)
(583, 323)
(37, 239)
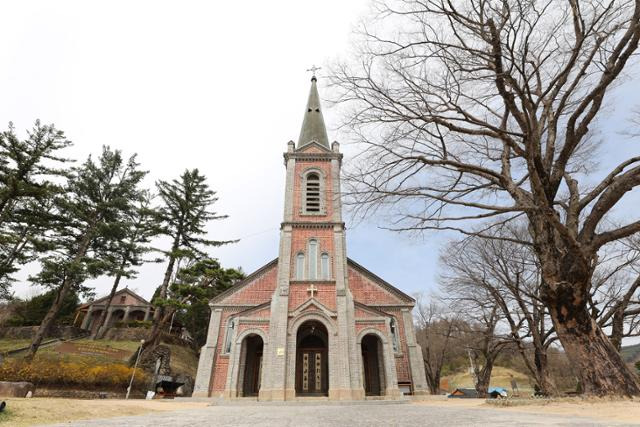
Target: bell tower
(312, 266)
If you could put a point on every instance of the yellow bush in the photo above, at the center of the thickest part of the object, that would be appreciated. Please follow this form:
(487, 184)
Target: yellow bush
(63, 373)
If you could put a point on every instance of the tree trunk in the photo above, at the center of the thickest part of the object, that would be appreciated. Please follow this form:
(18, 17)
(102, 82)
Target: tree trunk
(483, 378)
(159, 311)
(46, 323)
(100, 330)
(545, 385)
(600, 367)
(156, 333)
(617, 328)
(48, 320)
(433, 378)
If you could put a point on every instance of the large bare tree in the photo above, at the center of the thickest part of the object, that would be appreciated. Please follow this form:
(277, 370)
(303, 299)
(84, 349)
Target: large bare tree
(484, 109)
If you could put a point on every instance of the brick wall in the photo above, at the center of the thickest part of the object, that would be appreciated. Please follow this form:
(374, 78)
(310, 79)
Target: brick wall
(258, 291)
(298, 294)
(367, 292)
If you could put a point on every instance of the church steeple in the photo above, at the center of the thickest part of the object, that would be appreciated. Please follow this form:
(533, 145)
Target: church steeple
(313, 128)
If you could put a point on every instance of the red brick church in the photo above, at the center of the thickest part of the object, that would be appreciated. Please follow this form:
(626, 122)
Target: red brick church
(312, 322)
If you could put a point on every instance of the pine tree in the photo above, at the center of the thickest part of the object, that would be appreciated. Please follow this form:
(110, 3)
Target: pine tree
(194, 287)
(137, 228)
(96, 197)
(30, 176)
(183, 215)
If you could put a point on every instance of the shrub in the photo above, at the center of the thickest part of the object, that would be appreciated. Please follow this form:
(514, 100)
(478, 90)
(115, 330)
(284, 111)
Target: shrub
(134, 324)
(65, 373)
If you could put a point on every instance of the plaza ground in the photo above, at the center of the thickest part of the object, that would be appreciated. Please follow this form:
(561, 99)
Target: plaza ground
(432, 412)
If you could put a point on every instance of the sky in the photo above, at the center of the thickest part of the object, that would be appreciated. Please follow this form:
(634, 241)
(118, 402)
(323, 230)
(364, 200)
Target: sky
(220, 86)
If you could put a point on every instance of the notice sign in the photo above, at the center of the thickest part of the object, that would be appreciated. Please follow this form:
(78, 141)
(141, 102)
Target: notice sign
(280, 351)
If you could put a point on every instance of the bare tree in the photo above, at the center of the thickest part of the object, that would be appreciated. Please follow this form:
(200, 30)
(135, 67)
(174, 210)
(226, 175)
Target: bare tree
(615, 295)
(436, 333)
(480, 337)
(483, 109)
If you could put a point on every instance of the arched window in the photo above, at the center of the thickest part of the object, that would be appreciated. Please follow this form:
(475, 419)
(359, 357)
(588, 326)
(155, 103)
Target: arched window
(394, 333)
(313, 259)
(300, 266)
(231, 325)
(324, 266)
(312, 193)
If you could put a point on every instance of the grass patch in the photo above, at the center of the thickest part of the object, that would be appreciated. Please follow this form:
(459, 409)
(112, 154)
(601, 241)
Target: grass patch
(58, 372)
(6, 416)
(500, 377)
(183, 360)
(12, 344)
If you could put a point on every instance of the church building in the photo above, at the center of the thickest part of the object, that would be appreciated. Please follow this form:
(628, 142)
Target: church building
(312, 322)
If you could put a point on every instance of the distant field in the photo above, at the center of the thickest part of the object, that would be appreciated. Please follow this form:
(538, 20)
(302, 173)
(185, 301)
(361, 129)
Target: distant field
(500, 377)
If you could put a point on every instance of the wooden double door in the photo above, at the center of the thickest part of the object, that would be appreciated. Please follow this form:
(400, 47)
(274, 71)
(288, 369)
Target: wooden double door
(312, 373)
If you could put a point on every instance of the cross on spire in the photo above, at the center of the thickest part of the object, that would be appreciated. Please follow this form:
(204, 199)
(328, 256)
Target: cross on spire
(312, 290)
(313, 70)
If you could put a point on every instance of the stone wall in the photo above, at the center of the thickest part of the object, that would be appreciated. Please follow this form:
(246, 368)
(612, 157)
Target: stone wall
(126, 334)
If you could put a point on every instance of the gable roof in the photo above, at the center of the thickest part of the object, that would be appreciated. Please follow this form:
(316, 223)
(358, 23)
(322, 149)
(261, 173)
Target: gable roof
(380, 281)
(121, 291)
(244, 282)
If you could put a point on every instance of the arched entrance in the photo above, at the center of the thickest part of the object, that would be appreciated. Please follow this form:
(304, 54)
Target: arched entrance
(251, 365)
(312, 364)
(373, 365)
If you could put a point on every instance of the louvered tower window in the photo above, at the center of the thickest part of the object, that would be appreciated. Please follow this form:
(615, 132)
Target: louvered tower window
(312, 194)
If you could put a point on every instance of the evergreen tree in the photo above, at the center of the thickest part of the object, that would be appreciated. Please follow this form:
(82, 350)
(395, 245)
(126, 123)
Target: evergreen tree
(96, 197)
(28, 169)
(183, 215)
(124, 254)
(194, 287)
(32, 311)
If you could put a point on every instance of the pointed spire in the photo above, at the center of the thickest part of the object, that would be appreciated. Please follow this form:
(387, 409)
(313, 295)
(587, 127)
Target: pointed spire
(313, 128)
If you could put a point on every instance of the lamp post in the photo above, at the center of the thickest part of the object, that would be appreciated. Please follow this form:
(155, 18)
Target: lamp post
(134, 369)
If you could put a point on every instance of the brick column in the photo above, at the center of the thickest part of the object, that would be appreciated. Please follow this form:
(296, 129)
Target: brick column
(87, 318)
(416, 361)
(147, 314)
(207, 354)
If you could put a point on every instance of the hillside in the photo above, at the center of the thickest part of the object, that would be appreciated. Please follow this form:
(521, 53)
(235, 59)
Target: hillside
(87, 365)
(631, 353)
(501, 377)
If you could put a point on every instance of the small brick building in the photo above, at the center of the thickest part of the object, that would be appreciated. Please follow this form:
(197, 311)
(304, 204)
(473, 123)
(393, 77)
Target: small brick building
(312, 322)
(125, 306)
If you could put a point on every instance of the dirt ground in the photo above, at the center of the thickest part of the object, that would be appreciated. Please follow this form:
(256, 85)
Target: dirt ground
(35, 411)
(624, 411)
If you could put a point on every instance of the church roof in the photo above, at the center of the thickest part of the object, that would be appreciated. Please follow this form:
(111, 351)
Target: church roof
(313, 128)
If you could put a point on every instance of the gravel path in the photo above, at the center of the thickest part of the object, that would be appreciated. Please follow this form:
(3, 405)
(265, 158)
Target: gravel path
(342, 415)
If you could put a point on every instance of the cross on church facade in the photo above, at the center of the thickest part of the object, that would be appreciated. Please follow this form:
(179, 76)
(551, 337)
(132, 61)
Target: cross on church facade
(313, 70)
(312, 290)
